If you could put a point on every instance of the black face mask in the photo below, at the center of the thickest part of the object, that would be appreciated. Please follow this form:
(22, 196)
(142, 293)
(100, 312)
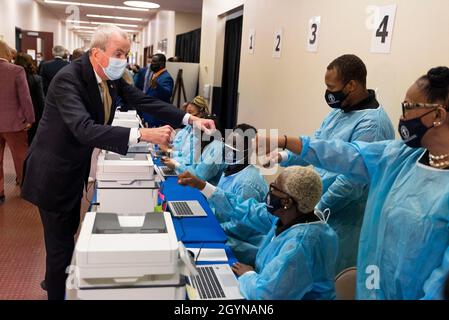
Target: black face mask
(336, 99)
(155, 67)
(273, 202)
(412, 131)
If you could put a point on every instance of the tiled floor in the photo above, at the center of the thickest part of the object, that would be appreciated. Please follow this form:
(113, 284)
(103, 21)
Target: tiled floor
(22, 250)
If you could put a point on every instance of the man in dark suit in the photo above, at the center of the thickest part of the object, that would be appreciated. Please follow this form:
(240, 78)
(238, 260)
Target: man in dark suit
(48, 70)
(78, 112)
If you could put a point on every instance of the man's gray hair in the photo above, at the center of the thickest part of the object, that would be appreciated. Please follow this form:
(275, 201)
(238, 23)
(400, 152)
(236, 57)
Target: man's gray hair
(103, 34)
(59, 51)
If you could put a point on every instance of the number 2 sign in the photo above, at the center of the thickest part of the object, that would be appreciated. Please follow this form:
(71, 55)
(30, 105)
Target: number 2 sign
(383, 29)
(277, 48)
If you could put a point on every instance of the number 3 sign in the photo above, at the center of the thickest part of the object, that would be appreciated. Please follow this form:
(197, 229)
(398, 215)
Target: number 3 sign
(383, 29)
(314, 31)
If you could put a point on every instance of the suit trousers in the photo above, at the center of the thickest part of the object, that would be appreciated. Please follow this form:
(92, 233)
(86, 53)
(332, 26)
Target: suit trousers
(59, 234)
(18, 144)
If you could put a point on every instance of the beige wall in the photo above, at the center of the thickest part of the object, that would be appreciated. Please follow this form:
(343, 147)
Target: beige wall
(167, 25)
(287, 93)
(29, 15)
(186, 22)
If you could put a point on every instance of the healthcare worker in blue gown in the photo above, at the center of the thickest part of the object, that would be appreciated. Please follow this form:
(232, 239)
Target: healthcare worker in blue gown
(183, 144)
(356, 116)
(404, 242)
(297, 258)
(207, 164)
(244, 180)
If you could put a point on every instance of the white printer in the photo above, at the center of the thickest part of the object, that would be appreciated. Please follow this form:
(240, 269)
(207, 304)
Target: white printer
(114, 167)
(126, 183)
(129, 257)
(128, 119)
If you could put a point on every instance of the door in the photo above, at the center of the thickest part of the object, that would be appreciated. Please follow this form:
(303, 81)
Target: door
(37, 41)
(228, 110)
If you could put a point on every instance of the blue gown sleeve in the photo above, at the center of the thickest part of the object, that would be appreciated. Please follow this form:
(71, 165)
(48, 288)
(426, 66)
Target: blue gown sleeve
(208, 167)
(357, 161)
(287, 276)
(249, 212)
(343, 191)
(434, 286)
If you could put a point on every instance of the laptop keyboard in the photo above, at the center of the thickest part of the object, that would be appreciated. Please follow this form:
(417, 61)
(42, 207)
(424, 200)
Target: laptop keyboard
(168, 172)
(207, 284)
(182, 209)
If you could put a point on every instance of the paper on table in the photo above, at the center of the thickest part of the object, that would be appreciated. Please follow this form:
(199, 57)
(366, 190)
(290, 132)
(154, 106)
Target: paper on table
(209, 254)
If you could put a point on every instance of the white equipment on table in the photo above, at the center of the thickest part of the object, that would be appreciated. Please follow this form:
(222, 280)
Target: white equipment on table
(129, 257)
(126, 183)
(128, 119)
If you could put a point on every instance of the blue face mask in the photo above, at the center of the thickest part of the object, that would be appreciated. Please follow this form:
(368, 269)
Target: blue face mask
(115, 69)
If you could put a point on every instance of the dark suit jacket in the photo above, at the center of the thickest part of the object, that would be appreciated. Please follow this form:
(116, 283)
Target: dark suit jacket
(48, 71)
(58, 162)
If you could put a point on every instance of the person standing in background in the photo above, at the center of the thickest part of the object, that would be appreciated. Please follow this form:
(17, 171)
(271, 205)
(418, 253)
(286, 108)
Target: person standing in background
(36, 90)
(158, 84)
(16, 114)
(48, 70)
(77, 53)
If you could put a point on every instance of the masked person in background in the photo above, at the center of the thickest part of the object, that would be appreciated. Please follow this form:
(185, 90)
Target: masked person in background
(244, 180)
(356, 116)
(207, 164)
(158, 84)
(297, 258)
(404, 242)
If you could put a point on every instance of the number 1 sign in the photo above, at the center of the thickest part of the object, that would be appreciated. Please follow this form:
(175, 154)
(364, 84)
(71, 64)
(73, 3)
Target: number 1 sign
(383, 29)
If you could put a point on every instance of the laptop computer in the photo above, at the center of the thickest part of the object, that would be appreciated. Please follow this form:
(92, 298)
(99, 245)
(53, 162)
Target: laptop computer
(186, 209)
(167, 172)
(214, 282)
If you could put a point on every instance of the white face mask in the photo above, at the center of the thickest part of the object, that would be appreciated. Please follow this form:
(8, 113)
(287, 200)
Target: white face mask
(115, 69)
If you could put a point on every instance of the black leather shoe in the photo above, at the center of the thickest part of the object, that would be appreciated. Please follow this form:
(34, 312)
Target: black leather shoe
(43, 285)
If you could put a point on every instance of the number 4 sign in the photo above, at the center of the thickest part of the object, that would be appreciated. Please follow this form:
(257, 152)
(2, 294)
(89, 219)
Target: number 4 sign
(383, 29)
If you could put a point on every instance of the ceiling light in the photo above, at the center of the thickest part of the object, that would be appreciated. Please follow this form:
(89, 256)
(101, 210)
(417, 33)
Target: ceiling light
(94, 5)
(94, 22)
(142, 4)
(113, 17)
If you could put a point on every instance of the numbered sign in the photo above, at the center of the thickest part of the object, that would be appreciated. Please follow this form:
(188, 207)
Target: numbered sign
(383, 29)
(314, 32)
(251, 41)
(277, 48)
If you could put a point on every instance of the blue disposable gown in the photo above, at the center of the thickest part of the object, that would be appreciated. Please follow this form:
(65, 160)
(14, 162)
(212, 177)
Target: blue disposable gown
(210, 165)
(346, 199)
(297, 264)
(242, 239)
(403, 252)
(183, 146)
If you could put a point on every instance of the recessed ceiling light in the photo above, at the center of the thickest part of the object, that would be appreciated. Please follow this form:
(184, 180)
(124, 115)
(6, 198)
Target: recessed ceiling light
(142, 4)
(94, 5)
(113, 17)
(95, 22)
